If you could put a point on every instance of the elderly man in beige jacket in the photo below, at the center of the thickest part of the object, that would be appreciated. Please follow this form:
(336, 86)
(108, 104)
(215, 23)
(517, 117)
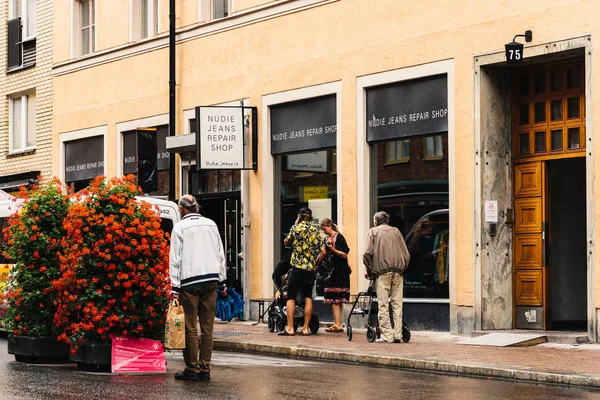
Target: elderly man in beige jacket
(386, 258)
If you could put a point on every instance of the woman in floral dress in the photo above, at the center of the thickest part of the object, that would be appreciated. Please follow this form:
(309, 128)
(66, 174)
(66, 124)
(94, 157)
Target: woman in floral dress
(337, 287)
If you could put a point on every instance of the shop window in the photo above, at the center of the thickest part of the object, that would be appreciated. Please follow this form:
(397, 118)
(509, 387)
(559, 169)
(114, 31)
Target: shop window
(334, 162)
(209, 10)
(432, 148)
(84, 27)
(398, 151)
(84, 160)
(214, 181)
(318, 191)
(144, 19)
(22, 122)
(415, 195)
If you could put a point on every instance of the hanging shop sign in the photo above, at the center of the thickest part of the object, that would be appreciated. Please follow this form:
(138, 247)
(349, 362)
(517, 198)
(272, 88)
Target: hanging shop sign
(130, 150)
(303, 125)
(315, 161)
(84, 159)
(221, 137)
(407, 108)
(142, 156)
(162, 154)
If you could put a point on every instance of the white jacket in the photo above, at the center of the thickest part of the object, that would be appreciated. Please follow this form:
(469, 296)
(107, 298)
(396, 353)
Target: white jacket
(196, 254)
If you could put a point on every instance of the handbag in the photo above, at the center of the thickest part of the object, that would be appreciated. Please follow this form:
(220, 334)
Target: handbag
(325, 270)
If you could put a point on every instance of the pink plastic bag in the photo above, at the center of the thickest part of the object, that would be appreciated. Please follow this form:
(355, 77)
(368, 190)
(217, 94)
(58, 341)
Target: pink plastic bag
(131, 355)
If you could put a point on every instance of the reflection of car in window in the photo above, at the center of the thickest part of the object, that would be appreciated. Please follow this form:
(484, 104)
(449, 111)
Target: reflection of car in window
(427, 242)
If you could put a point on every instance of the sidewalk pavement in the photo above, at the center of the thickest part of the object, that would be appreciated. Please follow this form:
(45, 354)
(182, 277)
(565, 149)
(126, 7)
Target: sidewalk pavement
(577, 365)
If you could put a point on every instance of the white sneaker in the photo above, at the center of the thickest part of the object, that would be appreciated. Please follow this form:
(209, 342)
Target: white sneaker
(381, 340)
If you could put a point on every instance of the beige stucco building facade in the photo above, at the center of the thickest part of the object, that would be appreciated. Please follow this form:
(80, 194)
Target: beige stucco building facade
(26, 89)
(433, 168)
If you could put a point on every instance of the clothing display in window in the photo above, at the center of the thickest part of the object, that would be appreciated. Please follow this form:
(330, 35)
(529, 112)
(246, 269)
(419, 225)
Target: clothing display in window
(440, 244)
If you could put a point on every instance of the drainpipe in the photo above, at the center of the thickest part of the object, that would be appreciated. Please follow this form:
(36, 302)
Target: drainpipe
(172, 95)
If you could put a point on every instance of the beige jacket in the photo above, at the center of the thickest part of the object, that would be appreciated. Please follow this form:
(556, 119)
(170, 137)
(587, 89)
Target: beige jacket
(385, 251)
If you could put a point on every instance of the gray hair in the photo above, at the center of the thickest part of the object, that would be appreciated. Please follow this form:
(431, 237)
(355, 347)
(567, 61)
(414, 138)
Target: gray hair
(381, 217)
(188, 202)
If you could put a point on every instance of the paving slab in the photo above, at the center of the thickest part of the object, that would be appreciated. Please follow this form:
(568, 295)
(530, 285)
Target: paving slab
(551, 363)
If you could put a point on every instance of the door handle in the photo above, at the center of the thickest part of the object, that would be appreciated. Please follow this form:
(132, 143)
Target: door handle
(544, 250)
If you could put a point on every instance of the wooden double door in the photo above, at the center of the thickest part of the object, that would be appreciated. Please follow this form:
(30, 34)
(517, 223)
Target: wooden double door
(548, 126)
(530, 249)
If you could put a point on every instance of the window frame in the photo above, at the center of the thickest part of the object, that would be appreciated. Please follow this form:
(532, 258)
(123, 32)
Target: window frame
(23, 6)
(152, 20)
(206, 10)
(435, 156)
(25, 125)
(77, 28)
(396, 160)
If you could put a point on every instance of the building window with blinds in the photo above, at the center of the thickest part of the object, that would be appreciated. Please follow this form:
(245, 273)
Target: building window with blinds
(84, 27)
(21, 123)
(209, 10)
(21, 48)
(144, 22)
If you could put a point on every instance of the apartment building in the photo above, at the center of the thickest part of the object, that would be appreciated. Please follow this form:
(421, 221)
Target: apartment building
(26, 92)
(486, 166)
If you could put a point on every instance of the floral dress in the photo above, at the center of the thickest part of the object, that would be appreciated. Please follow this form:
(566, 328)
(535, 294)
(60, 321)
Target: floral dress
(337, 289)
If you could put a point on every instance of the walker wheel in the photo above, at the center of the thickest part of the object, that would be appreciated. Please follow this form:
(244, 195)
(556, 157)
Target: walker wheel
(349, 332)
(371, 334)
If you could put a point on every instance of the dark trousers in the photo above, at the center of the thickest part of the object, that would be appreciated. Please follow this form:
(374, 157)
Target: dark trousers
(199, 304)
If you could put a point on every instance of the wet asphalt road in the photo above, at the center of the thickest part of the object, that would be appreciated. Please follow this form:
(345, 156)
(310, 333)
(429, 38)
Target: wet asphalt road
(243, 376)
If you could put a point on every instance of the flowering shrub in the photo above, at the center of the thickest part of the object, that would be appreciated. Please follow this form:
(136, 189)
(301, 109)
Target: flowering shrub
(114, 267)
(33, 239)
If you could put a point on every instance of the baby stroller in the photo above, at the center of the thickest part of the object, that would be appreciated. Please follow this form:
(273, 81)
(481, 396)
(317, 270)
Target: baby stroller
(277, 310)
(366, 304)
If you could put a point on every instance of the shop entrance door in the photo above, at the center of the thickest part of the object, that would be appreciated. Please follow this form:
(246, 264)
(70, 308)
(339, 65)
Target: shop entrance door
(224, 210)
(549, 196)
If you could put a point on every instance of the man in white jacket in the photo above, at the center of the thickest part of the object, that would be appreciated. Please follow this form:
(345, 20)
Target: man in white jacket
(197, 266)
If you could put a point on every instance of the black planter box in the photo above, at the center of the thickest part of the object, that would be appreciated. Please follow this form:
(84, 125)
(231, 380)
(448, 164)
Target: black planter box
(38, 350)
(93, 357)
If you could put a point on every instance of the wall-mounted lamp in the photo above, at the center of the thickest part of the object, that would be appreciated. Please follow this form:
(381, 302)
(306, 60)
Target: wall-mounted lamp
(514, 50)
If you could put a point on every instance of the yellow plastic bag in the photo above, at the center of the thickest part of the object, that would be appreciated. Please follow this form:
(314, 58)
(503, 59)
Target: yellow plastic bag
(175, 327)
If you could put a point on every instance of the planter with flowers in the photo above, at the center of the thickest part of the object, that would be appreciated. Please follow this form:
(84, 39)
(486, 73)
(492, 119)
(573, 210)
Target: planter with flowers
(114, 267)
(33, 239)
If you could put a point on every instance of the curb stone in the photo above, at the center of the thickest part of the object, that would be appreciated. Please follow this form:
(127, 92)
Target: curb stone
(417, 364)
